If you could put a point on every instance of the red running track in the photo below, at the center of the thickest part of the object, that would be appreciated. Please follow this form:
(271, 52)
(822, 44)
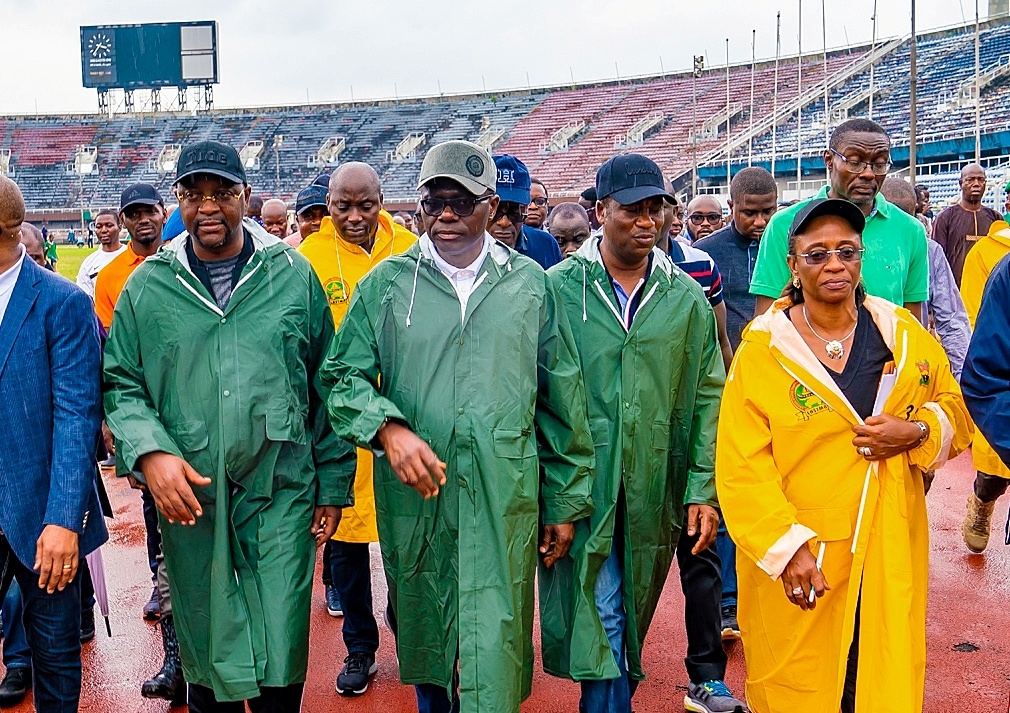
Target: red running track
(969, 621)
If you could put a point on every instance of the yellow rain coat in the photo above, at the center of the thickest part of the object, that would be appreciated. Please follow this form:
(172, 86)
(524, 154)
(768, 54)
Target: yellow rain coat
(978, 264)
(339, 266)
(788, 476)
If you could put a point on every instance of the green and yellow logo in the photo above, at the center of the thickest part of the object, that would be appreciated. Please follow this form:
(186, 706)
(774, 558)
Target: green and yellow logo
(805, 401)
(336, 290)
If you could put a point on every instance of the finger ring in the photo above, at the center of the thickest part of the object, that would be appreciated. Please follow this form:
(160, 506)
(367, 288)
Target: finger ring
(865, 451)
(798, 592)
(68, 566)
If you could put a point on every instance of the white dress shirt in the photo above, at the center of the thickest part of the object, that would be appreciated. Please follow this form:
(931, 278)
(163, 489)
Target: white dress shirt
(7, 281)
(462, 279)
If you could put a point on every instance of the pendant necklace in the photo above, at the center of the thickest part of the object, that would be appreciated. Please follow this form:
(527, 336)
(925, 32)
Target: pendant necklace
(834, 347)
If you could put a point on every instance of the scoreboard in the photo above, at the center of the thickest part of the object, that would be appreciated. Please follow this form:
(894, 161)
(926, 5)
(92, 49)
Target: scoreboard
(172, 54)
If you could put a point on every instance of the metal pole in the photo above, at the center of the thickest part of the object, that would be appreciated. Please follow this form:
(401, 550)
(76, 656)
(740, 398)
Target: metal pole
(728, 175)
(799, 105)
(913, 110)
(873, 48)
(750, 114)
(694, 130)
(775, 96)
(978, 96)
(824, 43)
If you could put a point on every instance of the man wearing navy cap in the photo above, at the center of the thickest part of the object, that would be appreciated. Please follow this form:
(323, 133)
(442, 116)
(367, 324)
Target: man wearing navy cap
(507, 223)
(211, 389)
(647, 345)
(310, 209)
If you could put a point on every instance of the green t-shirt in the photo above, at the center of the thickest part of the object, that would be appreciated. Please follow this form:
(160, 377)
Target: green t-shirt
(895, 264)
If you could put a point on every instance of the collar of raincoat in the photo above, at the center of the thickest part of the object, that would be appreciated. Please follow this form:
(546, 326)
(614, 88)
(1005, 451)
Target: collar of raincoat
(261, 241)
(1000, 232)
(590, 252)
(501, 254)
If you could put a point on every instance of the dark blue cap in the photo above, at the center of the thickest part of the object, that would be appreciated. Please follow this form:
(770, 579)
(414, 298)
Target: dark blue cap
(513, 179)
(140, 193)
(323, 179)
(819, 207)
(630, 178)
(211, 157)
(309, 198)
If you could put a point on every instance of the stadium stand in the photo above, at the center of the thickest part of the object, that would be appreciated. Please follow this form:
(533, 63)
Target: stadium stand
(561, 133)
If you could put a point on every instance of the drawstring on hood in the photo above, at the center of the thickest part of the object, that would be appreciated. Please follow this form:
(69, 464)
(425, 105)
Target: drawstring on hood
(585, 316)
(413, 289)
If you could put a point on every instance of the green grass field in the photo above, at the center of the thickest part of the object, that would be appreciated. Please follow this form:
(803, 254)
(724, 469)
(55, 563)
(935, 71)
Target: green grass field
(70, 259)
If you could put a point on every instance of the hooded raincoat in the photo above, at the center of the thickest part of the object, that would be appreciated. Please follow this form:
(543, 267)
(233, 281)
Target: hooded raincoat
(496, 391)
(789, 477)
(236, 393)
(978, 265)
(340, 265)
(653, 391)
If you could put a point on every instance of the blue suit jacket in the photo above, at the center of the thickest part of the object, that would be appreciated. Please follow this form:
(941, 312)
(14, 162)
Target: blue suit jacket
(50, 411)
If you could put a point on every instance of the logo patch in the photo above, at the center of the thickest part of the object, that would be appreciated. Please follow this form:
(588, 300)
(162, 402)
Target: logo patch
(475, 166)
(805, 401)
(923, 372)
(336, 290)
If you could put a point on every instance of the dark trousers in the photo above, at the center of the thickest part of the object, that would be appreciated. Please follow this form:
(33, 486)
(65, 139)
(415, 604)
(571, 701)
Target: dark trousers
(989, 487)
(283, 699)
(327, 552)
(53, 631)
(153, 533)
(351, 574)
(435, 699)
(851, 666)
(701, 581)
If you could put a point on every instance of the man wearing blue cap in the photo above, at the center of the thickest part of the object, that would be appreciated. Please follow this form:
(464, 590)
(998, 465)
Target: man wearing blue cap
(646, 337)
(507, 224)
(310, 209)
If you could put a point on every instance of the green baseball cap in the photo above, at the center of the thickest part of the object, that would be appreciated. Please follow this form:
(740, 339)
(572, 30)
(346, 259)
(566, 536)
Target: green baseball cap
(468, 164)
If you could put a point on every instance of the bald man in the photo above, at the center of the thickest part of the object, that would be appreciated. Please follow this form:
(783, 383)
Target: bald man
(570, 227)
(355, 237)
(959, 226)
(274, 215)
(50, 410)
(35, 244)
(704, 217)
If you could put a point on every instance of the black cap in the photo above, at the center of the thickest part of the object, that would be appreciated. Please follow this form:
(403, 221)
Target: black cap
(142, 193)
(820, 207)
(630, 178)
(310, 197)
(210, 157)
(589, 194)
(323, 179)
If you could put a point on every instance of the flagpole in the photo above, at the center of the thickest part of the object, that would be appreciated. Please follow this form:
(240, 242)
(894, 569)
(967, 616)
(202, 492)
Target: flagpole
(775, 99)
(728, 176)
(913, 109)
(824, 42)
(799, 104)
(750, 127)
(873, 48)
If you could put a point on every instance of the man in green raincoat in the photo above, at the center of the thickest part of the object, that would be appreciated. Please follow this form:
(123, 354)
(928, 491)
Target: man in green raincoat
(654, 373)
(212, 390)
(456, 365)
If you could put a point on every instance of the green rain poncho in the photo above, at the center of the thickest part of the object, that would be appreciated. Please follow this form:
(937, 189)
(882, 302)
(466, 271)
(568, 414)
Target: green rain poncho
(653, 393)
(498, 395)
(236, 393)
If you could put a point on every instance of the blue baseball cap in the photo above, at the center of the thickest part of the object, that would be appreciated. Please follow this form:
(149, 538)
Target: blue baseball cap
(513, 179)
(314, 195)
(630, 178)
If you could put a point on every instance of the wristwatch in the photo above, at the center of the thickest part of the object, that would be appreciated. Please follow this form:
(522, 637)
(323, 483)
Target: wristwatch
(924, 428)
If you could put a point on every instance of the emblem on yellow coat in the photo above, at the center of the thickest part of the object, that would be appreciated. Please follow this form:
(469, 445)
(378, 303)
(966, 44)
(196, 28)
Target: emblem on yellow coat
(336, 290)
(805, 401)
(923, 372)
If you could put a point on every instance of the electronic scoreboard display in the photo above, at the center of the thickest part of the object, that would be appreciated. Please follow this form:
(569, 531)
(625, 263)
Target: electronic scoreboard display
(171, 54)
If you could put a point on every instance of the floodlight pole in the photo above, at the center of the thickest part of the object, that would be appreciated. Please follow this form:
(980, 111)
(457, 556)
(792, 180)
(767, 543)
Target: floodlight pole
(750, 113)
(978, 95)
(873, 49)
(775, 94)
(799, 105)
(913, 113)
(728, 173)
(824, 42)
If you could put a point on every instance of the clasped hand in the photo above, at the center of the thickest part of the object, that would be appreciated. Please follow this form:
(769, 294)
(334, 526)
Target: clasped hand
(886, 436)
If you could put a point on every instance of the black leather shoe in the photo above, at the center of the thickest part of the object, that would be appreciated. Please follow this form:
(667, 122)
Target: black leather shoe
(87, 625)
(15, 686)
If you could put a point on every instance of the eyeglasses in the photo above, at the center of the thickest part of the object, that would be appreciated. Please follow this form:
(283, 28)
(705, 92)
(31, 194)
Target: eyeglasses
(699, 218)
(539, 201)
(462, 207)
(513, 211)
(879, 168)
(819, 257)
(221, 197)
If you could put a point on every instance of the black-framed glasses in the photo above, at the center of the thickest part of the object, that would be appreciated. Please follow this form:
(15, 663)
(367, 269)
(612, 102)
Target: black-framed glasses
(539, 201)
(879, 168)
(699, 218)
(820, 257)
(515, 212)
(462, 207)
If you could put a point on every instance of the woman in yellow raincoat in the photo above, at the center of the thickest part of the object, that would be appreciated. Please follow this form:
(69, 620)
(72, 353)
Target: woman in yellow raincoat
(824, 499)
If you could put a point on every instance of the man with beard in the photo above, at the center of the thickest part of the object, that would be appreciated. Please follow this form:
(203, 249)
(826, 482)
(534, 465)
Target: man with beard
(507, 223)
(143, 214)
(895, 264)
(107, 230)
(211, 370)
(704, 217)
(961, 225)
(275, 218)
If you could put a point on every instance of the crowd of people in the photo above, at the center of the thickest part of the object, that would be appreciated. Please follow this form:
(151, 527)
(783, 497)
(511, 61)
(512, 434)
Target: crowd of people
(629, 381)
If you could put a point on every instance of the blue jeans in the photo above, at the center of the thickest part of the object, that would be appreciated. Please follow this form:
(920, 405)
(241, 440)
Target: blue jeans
(727, 554)
(612, 695)
(53, 630)
(351, 574)
(435, 699)
(16, 653)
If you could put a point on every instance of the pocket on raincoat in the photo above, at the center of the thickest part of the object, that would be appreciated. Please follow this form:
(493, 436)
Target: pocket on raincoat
(519, 481)
(830, 524)
(661, 436)
(190, 436)
(286, 425)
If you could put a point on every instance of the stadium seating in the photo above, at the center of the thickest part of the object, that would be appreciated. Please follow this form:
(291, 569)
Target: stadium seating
(42, 148)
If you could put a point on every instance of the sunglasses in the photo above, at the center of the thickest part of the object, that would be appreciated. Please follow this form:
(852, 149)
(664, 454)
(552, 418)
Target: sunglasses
(820, 257)
(699, 218)
(513, 211)
(462, 207)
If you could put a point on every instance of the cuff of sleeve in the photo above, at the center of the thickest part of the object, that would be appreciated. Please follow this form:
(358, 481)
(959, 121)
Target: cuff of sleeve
(559, 511)
(779, 554)
(941, 434)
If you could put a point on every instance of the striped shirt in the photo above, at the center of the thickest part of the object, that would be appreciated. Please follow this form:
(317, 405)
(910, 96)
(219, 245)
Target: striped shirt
(701, 267)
